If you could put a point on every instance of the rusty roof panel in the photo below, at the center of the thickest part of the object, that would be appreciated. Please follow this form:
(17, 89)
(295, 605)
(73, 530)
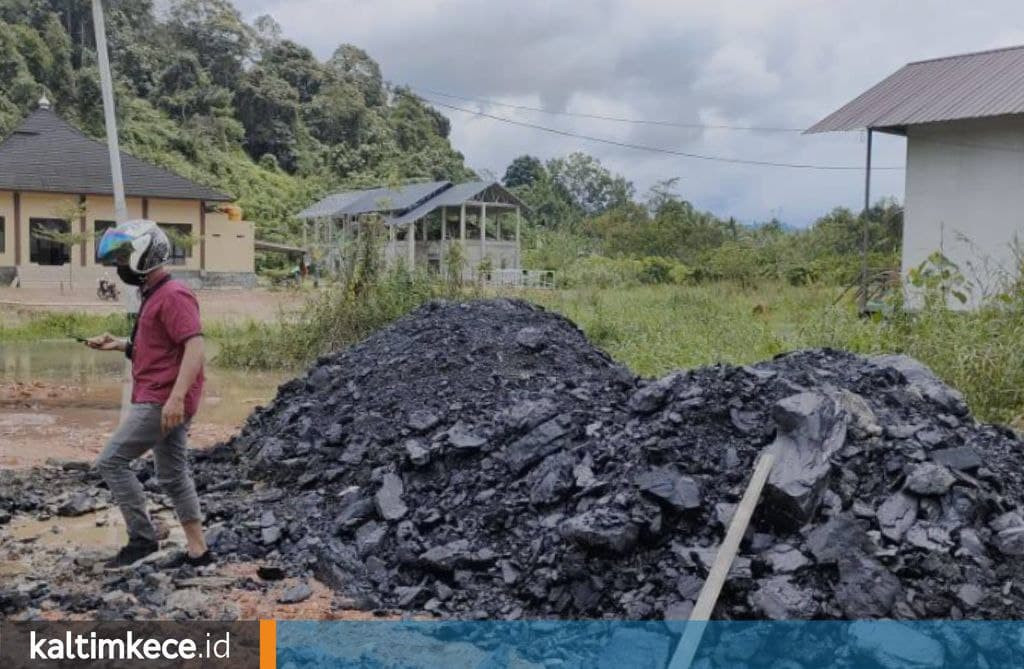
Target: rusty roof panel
(973, 85)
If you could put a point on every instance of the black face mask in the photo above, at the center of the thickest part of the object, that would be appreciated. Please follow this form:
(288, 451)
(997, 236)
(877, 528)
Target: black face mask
(132, 278)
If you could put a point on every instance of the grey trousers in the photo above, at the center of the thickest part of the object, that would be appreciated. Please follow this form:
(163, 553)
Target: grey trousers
(139, 432)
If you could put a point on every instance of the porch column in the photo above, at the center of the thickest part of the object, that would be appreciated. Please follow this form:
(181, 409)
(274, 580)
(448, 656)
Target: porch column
(462, 225)
(519, 262)
(202, 236)
(483, 231)
(81, 229)
(410, 238)
(17, 228)
(444, 234)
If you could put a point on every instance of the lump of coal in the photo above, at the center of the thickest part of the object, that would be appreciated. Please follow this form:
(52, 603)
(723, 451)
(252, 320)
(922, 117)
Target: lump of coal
(421, 420)
(897, 513)
(811, 429)
(777, 598)
(389, 498)
(963, 458)
(929, 478)
(679, 492)
(296, 594)
(602, 529)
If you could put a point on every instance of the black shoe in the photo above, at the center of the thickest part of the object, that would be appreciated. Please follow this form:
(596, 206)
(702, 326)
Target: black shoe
(135, 550)
(201, 561)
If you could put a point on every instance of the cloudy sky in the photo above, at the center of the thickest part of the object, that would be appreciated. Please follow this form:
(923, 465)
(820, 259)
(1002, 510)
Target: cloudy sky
(774, 63)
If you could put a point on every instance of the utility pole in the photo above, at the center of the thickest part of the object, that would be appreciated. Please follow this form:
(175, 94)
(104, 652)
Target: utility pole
(865, 242)
(109, 114)
(131, 298)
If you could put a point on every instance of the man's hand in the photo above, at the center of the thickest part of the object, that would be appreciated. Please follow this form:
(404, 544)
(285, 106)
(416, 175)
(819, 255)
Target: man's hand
(173, 414)
(106, 342)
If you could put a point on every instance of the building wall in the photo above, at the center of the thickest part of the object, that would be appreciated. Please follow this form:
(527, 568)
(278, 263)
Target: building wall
(7, 212)
(965, 197)
(229, 245)
(101, 208)
(180, 212)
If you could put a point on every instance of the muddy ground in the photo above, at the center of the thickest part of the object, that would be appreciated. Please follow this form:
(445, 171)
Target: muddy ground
(61, 428)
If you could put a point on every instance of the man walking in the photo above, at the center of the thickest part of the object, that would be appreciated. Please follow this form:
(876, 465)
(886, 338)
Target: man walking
(166, 350)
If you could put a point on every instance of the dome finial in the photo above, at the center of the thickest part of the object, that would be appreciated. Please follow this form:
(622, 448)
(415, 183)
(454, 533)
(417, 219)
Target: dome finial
(44, 102)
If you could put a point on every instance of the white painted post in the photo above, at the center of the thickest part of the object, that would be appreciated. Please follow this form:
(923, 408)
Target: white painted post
(109, 115)
(462, 237)
(519, 261)
(444, 234)
(483, 231)
(410, 238)
(132, 300)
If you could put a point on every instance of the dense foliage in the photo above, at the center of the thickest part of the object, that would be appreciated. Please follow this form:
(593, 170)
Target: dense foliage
(228, 104)
(586, 218)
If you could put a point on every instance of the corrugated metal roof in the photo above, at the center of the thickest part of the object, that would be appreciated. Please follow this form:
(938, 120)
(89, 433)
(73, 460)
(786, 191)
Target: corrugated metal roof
(46, 153)
(452, 197)
(973, 85)
(351, 203)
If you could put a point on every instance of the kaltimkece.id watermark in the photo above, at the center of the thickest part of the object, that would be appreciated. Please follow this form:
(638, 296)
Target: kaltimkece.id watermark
(129, 644)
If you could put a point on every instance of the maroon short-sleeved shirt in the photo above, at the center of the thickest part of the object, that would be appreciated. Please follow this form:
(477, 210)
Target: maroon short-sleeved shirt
(169, 318)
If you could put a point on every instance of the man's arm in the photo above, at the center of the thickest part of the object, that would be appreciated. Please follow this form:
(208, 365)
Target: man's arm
(107, 342)
(192, 360)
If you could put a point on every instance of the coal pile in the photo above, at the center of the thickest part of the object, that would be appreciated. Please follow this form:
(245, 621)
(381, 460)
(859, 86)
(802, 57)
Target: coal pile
(483, 460)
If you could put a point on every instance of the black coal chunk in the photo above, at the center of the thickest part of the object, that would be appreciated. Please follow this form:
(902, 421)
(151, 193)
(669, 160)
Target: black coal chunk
(811, 429)
(679, 492)
(602, 529)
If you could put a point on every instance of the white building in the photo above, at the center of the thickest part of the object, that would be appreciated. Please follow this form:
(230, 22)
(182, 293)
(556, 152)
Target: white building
(424, 222)
(963, 117)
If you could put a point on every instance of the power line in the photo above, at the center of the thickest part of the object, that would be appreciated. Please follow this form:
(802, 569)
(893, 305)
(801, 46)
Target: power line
(616, 119)
(655, 149)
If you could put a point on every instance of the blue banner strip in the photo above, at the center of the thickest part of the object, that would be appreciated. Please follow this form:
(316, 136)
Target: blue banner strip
(649, 645)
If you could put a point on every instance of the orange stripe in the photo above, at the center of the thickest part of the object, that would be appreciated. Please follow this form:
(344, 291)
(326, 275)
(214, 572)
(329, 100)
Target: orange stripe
(268, 644)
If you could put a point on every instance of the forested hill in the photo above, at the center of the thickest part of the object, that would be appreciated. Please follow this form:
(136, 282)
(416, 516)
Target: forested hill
(228, 104)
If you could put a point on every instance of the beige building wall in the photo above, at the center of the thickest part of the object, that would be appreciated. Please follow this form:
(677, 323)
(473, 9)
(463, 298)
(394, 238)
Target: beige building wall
(101, 208)
(229, 244)
(180, 212)
(7, 212)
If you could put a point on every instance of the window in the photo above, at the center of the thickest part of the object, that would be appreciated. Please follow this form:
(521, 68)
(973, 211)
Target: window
(45, 247)
(3, 234)
(98, 228)
(181, 241)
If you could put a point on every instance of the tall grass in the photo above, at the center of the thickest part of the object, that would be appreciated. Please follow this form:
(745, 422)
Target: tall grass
(334, 318)
(61, 325)
(660, 328)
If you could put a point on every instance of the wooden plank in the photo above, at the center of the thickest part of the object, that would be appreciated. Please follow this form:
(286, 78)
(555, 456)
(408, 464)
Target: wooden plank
(701, 614)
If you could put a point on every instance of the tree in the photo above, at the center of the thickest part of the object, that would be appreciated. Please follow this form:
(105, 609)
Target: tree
(296, 65)
(335, 115)
(352, 64)
(524, 171)
(215, 32)
(590, 185)
(268, 108)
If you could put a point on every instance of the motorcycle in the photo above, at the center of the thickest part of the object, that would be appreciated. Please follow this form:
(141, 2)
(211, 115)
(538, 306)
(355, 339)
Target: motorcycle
(107, 290)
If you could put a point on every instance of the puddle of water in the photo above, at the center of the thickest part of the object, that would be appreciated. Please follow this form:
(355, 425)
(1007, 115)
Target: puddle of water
(99, 530)
(230, 395)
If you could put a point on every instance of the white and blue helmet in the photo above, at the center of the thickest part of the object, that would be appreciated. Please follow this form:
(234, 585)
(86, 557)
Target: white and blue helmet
(141, 244)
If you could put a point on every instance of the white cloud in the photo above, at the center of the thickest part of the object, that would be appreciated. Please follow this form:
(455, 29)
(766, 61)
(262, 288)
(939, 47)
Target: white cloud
(736, 62)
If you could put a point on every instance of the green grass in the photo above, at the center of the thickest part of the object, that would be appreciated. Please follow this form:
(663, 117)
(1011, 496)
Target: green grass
(652, 329)
(660, 328)
(61, 325)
